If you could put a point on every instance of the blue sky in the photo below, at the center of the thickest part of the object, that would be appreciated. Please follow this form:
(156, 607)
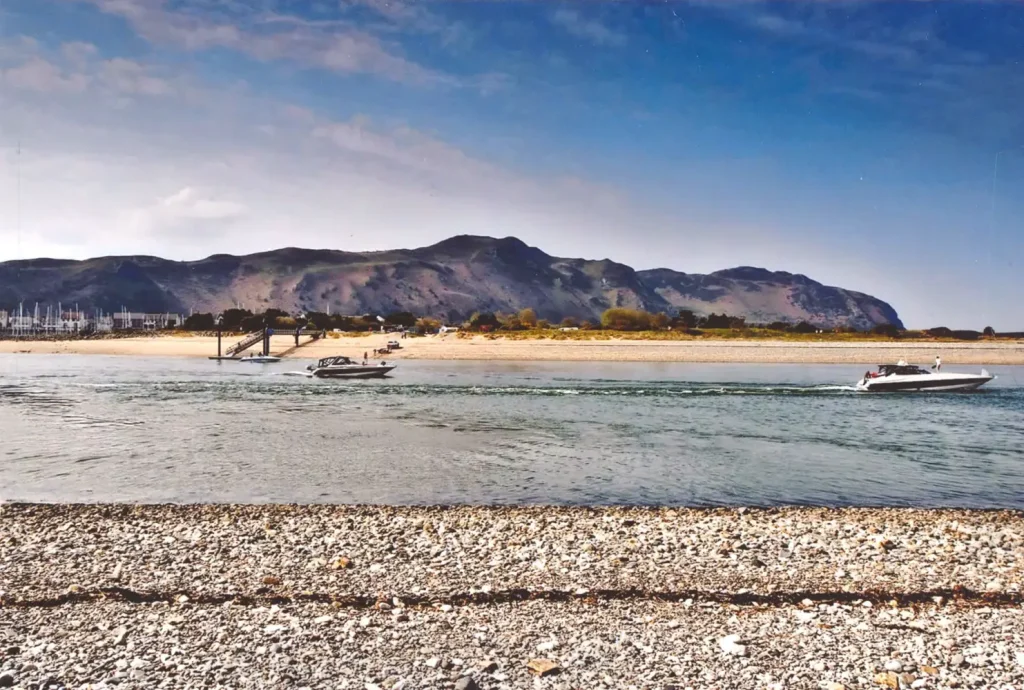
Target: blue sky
(874, 145)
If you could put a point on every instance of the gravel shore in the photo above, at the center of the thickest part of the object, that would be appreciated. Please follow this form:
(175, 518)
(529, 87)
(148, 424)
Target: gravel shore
(464, 597)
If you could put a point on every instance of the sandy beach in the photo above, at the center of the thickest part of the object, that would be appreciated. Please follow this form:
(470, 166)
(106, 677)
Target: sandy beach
(453, 347)
(382, 598)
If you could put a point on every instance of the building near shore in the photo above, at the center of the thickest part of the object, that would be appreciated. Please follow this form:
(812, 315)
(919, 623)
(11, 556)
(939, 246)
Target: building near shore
(56, 321)
(141, 321)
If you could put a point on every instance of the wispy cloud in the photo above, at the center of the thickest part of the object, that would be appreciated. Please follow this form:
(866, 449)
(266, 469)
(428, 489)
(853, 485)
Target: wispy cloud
(394, 10)
(37, 74)
(406, 147)
(335, 47)
(907, 65)
(588, 28)
(131, 77)
(75, 68)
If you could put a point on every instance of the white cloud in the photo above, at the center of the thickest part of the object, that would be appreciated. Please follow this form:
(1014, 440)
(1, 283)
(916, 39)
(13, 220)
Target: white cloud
(329, 46)
(37, 74)
(74, 69)
(588, 28)
(188, 211)
(405, 147)
(190, 204)
(130, 77)
(394, 10)
(79, 53)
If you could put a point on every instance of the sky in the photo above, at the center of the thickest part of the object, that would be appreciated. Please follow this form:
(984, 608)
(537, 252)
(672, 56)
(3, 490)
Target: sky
(878, 146)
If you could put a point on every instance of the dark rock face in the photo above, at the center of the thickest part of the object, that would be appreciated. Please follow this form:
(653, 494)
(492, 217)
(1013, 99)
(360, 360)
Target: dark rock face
(455, 277)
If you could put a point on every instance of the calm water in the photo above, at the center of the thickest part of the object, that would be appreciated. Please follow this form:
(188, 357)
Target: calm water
(134, 429)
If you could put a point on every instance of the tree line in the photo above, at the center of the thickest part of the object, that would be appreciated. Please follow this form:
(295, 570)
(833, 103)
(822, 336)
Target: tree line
(614, 319)
(624, 319)
(243, 320)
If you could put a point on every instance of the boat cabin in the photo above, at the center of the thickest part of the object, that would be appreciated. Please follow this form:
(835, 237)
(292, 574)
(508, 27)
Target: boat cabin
(900, 370)
(333, 361)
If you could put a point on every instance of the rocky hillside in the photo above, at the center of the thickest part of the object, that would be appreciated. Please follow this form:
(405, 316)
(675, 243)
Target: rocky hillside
(449, 280)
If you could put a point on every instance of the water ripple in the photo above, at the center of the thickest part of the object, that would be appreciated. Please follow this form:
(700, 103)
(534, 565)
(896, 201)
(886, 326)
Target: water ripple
(187, 430)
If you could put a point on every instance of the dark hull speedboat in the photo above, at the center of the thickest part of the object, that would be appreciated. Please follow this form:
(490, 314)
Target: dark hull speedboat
(345, 368)
(901, 378)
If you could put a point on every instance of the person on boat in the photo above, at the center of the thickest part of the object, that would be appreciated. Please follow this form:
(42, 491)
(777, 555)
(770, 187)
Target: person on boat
(938, 363)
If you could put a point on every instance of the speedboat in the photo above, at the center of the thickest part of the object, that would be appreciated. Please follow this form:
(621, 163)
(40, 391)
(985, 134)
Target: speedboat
(905, 377)
(260, 359)
(344, 368)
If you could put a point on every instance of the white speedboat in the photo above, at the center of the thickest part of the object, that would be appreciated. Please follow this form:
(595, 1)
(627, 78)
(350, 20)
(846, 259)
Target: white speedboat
(893, 378)
(344, 368)
(260, 359)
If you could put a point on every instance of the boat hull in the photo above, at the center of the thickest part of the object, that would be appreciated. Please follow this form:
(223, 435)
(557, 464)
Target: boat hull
(964, 383)
(354, 373)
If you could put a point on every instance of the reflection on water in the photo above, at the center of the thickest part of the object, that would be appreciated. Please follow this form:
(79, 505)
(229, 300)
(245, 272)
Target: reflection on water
(138, 429)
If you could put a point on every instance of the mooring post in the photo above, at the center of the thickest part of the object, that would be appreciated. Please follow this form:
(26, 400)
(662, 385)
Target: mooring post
(220, 324)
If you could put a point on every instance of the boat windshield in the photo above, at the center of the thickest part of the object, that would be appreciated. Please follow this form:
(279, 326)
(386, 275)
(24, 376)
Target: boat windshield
(331, 361)
(901, 370)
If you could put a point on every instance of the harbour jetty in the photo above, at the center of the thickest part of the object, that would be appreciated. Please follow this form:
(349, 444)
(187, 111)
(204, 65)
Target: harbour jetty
(516, 597)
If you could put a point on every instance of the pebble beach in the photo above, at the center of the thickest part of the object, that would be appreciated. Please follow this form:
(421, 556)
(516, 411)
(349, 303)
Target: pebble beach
(102, 596)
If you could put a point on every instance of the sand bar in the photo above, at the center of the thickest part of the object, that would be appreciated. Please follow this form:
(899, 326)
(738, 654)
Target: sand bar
(452, 347)
(377, 597)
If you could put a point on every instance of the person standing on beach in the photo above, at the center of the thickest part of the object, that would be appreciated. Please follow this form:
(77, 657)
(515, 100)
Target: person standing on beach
(938, 363)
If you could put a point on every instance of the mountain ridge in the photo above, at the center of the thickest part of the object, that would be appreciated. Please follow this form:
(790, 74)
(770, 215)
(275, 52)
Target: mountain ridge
(449, 279)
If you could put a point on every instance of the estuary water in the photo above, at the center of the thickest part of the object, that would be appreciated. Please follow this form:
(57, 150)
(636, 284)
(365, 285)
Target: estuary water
(92, 428)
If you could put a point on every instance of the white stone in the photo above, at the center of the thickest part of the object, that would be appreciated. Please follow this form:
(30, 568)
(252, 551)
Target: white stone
(893, 665)
(730, 644)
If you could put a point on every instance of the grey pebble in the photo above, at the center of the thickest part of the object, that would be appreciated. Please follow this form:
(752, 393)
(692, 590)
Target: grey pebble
(466, 683)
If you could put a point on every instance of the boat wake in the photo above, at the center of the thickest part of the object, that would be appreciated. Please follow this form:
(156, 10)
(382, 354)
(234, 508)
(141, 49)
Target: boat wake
(634, 391)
